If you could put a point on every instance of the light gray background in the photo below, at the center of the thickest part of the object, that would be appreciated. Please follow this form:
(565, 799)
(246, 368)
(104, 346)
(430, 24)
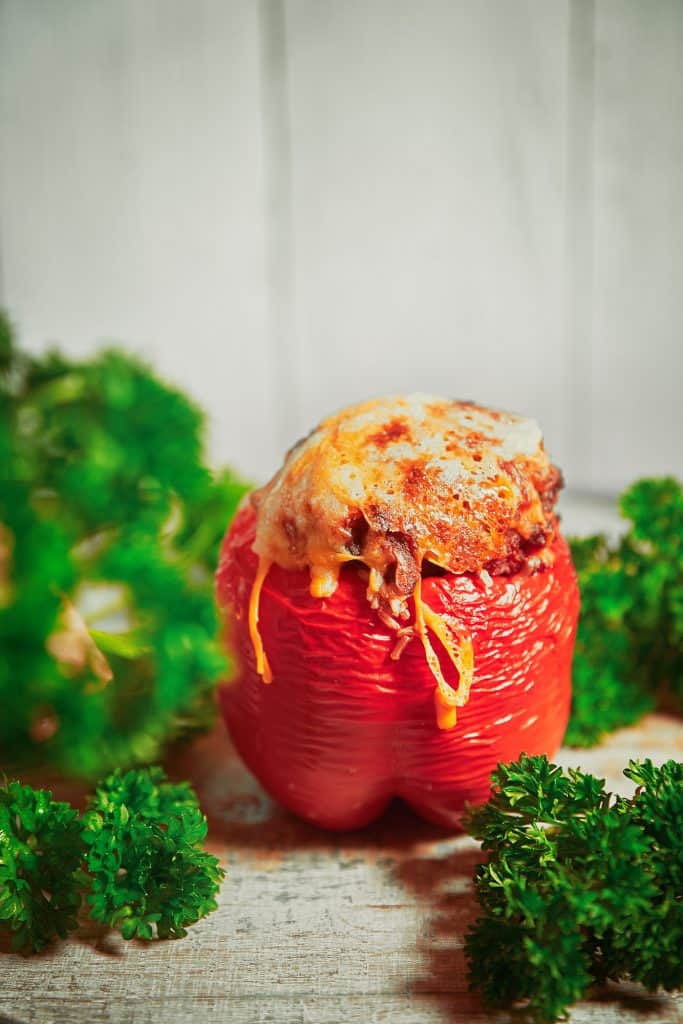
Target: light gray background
(291, 204)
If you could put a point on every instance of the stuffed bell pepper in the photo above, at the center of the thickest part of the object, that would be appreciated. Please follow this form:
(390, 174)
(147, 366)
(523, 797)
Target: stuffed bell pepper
(401, 608)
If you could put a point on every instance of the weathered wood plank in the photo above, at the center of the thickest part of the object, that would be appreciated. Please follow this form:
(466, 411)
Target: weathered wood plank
(312, 927)
(637, 355)
(132, 197)
(623, 1006)
(428, 177)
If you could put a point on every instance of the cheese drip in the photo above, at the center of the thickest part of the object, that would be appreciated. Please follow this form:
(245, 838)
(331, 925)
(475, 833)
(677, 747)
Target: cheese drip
(459, 649)
(262, 665)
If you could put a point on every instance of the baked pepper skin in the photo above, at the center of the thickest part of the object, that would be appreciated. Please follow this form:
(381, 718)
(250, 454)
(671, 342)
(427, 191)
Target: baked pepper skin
(342, 728)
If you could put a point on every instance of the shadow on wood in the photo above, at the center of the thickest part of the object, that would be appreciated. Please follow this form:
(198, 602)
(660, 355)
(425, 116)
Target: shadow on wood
(444, 884)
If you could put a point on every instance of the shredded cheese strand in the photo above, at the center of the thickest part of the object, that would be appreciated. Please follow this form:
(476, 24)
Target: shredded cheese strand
(262, 665)
(460, 651)
(458, 648)
(461, 654)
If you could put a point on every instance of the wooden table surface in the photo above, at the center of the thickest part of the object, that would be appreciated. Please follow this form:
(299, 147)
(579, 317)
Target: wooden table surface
(312, 928)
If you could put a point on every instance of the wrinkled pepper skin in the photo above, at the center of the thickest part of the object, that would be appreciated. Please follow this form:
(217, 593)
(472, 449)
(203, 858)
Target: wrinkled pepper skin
(342, 729)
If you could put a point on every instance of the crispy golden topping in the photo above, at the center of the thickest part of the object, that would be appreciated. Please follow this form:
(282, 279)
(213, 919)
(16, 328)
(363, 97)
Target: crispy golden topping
(397, 482)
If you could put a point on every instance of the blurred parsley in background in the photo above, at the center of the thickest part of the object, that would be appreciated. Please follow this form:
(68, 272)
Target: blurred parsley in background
(629, 649)
(110, 525)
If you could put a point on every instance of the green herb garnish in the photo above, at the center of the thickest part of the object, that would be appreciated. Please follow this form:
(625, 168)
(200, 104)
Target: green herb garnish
(147, 868)
(110, 524)
(136, 855)
(580, 887)
(629, 647)
(40, 860)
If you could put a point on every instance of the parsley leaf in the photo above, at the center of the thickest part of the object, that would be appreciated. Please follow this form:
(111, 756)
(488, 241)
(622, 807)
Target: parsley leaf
(110, 524)
(136, 855)
(579, 887)
(629, 647)
(40, 859)
(144, 857)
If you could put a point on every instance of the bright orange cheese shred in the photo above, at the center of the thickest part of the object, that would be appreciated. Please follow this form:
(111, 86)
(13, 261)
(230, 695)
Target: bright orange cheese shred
(262, 665)
(459, 649)
(446, 699)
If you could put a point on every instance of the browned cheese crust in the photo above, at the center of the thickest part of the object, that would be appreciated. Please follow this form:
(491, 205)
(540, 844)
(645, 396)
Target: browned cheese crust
(410, 484)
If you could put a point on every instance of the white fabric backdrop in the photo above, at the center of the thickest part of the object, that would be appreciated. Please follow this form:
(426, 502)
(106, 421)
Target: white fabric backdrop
(294, 203)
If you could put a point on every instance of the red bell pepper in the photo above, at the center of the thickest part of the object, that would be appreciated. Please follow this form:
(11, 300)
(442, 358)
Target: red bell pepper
(343, 728)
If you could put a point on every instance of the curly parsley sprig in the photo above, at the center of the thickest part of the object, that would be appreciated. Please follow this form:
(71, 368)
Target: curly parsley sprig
(110, 523)
(136, 855)
(629, 647)
(580, 887)
(144, 857)
(40, 862)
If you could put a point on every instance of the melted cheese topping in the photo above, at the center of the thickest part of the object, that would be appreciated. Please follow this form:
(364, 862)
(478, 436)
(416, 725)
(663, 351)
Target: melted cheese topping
(262, 665)
(460, 651)
(395, 482)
